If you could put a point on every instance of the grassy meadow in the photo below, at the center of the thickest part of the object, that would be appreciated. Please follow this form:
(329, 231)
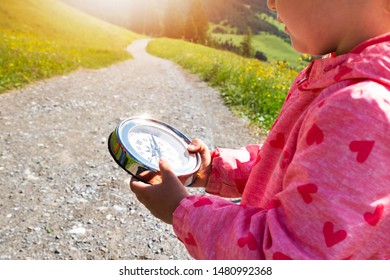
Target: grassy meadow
(272, 46)
(254, 89)
(42, 38)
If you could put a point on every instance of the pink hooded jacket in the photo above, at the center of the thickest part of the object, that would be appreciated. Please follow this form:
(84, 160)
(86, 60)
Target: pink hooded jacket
(319, 187)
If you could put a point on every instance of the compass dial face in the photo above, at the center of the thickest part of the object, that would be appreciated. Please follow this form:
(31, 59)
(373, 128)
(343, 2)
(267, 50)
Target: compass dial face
(150, 142)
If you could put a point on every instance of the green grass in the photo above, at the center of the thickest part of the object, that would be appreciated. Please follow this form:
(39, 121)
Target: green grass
(272, 46)
(254, 89)
(42, 38)
(272, 21)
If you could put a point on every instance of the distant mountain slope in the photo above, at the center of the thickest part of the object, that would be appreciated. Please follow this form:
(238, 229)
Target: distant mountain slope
(237, 13)
(241, 14)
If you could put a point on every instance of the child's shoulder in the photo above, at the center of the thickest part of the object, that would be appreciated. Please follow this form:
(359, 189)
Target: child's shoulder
(366, 101)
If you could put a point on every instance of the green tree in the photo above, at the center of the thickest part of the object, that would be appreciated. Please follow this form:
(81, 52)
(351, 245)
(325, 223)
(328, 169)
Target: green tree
(197, 23)
(246, 44)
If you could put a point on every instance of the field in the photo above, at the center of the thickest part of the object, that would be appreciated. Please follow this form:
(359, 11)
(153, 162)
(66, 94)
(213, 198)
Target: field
(41, 38)
(254, 89)
(273, 47)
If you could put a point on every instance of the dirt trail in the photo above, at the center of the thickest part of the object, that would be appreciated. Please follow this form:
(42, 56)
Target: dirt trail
(62, 196)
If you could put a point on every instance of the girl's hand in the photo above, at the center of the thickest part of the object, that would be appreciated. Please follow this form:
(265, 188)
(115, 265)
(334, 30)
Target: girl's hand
(163, 196)
(198, 146)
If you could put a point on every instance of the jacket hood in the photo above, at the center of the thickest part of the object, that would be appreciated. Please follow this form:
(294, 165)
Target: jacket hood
(369, 60)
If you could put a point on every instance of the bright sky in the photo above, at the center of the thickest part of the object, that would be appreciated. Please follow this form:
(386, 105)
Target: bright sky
(113, 7)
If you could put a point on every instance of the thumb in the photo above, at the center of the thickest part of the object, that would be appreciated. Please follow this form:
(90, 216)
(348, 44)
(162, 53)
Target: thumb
(166, 169)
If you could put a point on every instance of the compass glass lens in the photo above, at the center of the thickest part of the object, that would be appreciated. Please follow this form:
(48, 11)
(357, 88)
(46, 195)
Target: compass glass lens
(153, 142)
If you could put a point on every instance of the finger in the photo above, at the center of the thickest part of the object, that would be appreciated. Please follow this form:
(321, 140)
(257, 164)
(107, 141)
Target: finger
(195, 145)
(137, 186)
(149, 177)
(143, 192)
(165, 169)
(169, 176)
(200, 147)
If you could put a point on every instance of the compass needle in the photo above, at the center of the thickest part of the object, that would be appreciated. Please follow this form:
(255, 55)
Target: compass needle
(156, 147)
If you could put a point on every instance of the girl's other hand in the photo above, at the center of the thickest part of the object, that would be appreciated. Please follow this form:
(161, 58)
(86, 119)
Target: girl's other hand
(202, 177)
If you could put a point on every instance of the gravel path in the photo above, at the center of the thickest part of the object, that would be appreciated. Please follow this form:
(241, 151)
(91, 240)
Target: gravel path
(62, 196)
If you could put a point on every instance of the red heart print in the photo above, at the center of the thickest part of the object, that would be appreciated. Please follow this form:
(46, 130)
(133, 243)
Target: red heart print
(249, 241)
(373, 218)
(306, 192)
(203, 201)
(279, 142)
(333, 237)
(190, 239)
(280, 256)
(362, 148)
(314, 135)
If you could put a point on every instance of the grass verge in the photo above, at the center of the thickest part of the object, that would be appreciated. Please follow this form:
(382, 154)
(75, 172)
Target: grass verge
(254, 89)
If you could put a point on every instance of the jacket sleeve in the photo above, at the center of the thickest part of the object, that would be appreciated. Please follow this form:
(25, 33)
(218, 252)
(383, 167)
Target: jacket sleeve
(334, 202)
(230, 170)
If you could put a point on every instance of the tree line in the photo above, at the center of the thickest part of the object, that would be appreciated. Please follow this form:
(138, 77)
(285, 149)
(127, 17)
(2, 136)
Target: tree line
(194, 27)
(187, 19)
(156, 17)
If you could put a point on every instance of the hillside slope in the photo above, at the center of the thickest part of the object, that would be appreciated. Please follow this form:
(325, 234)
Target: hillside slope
(41, 38)
(229, 20)
(236, 13)
(135, 14)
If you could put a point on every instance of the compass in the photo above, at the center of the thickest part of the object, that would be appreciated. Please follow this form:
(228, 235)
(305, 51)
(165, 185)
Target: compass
(137, 144)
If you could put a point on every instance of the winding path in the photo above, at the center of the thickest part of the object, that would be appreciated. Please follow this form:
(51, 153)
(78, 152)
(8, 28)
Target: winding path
(62, 196)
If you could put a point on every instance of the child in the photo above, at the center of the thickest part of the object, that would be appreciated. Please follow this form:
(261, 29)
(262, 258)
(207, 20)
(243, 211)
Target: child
(319, 187)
